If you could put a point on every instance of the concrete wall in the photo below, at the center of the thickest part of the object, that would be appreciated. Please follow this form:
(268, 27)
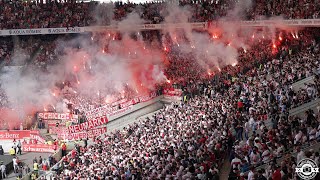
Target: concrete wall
(131, 117)
(136, 108)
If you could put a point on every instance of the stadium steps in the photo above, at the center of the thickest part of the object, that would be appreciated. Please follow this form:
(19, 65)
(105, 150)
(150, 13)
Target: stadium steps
(300, 84)
(44, 133)
(225, 169)
(299, 111)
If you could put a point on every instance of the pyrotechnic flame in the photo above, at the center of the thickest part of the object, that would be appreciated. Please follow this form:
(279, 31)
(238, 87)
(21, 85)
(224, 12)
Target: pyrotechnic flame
(234, 64)
(91, 38)
(280, 38)
(168, 81)
(219, 69)
(78, 82)
(215, 36)
(274, 46)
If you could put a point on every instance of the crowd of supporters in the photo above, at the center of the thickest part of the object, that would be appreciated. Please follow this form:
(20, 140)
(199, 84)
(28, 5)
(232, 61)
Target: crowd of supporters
(16, 14)
(243, 113)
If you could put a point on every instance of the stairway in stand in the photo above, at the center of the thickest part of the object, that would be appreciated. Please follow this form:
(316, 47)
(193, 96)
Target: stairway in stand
(225, 169)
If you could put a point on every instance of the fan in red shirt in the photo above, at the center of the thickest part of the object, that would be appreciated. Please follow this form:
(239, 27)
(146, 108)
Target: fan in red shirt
(240, 105)
(276, 173)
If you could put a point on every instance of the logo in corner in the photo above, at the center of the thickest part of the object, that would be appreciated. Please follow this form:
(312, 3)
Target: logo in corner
(307, 169)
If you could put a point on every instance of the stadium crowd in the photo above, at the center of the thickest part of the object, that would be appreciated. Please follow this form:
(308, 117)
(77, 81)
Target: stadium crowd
(243, 113)
(15, 14)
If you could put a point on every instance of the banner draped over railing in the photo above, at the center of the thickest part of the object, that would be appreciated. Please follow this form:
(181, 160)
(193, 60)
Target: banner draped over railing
(113, 109)
(142, 27)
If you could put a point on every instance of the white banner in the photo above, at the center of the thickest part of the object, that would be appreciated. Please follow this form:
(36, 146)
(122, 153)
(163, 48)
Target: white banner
(198, 25)
(10, 32)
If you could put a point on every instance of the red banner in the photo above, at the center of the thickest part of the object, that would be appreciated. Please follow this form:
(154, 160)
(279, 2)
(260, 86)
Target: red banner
(111, 109)
(58, 130)
(48, 115)
(119, 111)
(129, 103)
(38, 148)
(83, 135)
(91, 124)
(38, 138)
(172, 92)
(18, 134)
(54, 123)
(147, 97)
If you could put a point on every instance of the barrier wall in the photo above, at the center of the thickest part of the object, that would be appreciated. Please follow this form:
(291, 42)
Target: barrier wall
(135, 108)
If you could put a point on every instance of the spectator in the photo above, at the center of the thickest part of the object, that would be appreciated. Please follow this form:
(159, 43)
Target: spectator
(3, 170)
(1, 150)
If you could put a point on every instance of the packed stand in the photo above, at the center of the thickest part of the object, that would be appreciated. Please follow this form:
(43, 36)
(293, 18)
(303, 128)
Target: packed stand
(53, 14)
(220, 116)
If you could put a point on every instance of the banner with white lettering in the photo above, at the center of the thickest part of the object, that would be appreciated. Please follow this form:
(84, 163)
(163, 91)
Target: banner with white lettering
(84, 134)
(91, 124)
(38, 148)
(17, 134)
(57, 116)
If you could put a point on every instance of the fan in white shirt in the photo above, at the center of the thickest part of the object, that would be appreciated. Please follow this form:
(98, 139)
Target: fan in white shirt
(300, 155)
(235, 163)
